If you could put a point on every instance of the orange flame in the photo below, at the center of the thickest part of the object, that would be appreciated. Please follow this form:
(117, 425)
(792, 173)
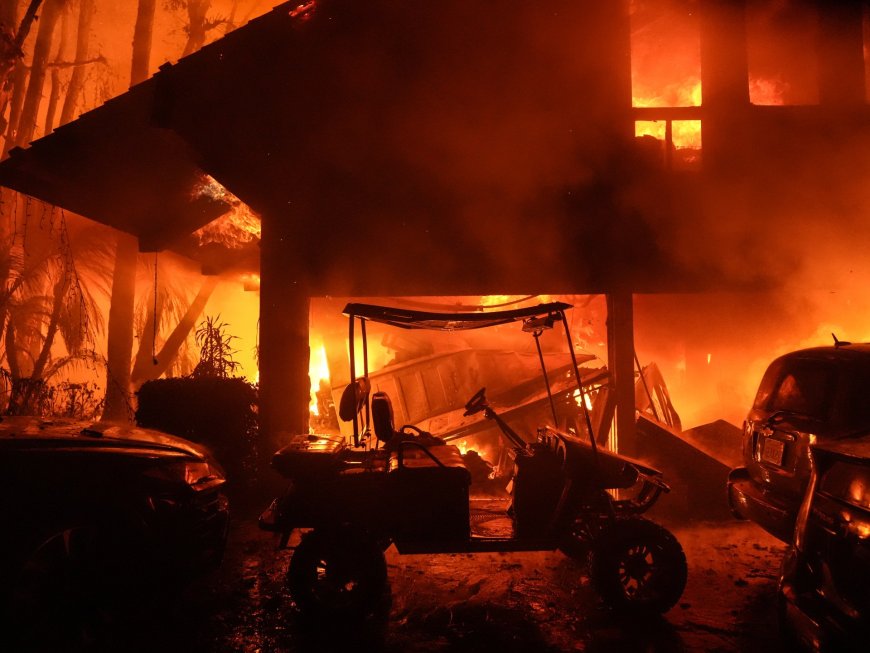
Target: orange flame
(318, 370)
(236, 228)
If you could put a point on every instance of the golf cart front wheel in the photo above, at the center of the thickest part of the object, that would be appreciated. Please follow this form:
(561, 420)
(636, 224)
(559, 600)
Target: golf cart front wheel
(638, 566)
(338, 575)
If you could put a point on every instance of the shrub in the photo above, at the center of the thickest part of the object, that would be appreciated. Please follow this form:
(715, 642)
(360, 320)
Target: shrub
(220, 413)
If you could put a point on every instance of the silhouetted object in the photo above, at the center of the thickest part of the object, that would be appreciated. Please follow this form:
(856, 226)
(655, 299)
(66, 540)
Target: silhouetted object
(823, 599)
(810, 396)
(220, 413)
(215, 350)
(401, 485)
(99, 522)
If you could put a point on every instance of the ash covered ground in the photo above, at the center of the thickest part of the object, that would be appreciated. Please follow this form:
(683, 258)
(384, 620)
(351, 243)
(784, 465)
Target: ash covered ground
(479, 602)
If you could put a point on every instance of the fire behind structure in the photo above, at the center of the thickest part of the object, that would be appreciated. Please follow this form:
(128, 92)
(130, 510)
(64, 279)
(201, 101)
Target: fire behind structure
(433, 160)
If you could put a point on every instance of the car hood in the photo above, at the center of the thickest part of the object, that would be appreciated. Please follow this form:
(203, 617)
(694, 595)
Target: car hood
(68, 433)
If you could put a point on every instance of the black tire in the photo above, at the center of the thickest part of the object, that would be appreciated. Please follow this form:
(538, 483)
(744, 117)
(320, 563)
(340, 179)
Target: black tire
(638, 566)
(79, 589)
(338, 574)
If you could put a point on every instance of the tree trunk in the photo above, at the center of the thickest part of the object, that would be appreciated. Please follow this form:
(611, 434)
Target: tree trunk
(11, 358)
(60, 290)
(76, 81)
(142, 41)
(55, 74)
(13, 74)
(120, 331)
(120, 336)
(16, 83)
(147, 369)
(41, 50)
(26, 23)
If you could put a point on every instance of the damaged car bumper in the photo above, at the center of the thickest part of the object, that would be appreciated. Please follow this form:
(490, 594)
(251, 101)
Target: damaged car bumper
(748, 501)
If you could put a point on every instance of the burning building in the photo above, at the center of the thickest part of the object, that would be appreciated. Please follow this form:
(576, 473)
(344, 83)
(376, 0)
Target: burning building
(395, 149)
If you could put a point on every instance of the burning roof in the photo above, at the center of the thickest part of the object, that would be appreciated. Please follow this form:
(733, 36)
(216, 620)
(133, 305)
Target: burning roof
(373, 137)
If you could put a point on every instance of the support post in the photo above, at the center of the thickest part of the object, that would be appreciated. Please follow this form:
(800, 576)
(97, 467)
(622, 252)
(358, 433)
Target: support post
(725, 84)
(841, 54)
(284, 352)
(620, 362)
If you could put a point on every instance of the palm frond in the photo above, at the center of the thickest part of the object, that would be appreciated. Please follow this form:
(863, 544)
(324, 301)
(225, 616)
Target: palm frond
(84, 360)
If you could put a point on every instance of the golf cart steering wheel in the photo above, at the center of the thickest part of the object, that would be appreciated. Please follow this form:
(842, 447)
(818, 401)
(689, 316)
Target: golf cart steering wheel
(416, 431)
(476, 404)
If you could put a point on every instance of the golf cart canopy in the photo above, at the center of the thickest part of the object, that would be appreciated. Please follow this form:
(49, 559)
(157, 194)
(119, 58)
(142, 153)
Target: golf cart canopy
(411, 319)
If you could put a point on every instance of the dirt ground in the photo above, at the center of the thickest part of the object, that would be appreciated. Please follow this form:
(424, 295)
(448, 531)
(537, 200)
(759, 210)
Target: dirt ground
(480, 602)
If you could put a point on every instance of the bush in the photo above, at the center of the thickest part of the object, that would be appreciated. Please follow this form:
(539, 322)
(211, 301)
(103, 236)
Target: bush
(220, 413)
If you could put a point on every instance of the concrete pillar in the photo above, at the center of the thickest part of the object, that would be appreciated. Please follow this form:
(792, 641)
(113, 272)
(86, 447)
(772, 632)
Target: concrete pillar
(620, 362)
(284, 351)
(724, 83)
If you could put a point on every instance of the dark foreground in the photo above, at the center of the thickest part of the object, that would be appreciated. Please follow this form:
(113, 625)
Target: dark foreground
(462, 602)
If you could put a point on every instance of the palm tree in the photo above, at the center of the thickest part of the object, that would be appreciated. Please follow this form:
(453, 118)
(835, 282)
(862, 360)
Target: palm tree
(47, 294)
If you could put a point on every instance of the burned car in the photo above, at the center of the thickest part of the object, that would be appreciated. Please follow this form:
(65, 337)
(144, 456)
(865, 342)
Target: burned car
(97, 520)
(810, 396)
(398, 484)
(823, 591)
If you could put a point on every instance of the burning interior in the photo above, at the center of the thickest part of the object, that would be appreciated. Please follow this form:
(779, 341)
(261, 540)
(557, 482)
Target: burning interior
(689, 174)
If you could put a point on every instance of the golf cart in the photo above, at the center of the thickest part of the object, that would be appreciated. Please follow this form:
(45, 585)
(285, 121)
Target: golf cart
(410, 488)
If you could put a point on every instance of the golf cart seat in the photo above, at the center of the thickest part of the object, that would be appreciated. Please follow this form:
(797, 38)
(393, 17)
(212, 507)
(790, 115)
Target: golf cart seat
(428, 480)
(408, 451)
(382, 417)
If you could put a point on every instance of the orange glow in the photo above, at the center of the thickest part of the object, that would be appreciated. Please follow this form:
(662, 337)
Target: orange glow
(684, 133)
(586, 399)
(502, 301)
(236, 228)
(251, 282)
(674, 80)
(767, 92)
(684, 93)
(318, 370)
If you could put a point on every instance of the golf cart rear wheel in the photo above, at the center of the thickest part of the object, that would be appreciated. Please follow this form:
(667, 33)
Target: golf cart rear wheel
(638, 566)
(338, 574)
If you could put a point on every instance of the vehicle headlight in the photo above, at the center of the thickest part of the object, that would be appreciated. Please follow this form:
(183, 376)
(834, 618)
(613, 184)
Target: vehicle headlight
(198, 474)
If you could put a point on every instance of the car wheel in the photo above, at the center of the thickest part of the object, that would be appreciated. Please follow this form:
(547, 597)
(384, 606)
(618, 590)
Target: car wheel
(338, 574)
(577, 543)
(75, 590)
(638, 566)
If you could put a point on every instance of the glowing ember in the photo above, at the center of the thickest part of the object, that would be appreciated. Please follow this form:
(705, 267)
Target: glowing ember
(586, 399)
(303, 11)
